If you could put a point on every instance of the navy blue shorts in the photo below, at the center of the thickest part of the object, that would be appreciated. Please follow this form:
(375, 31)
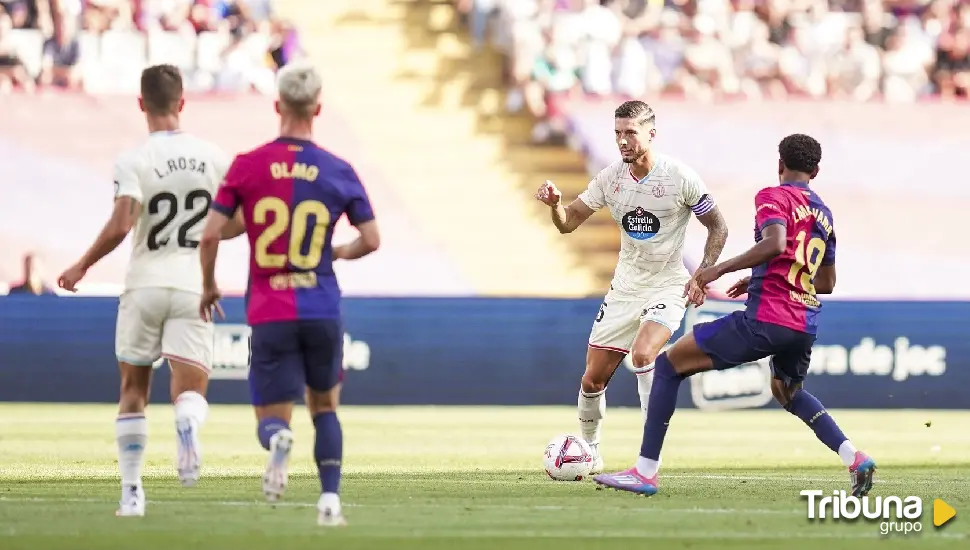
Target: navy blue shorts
(737, 339)
(288, 356)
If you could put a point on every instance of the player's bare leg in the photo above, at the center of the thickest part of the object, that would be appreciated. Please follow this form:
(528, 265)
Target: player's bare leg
(327, 453)
(188, 389)
(131, 432)
(601, 364)
(276, 437)
(683, 359)
(806, 407)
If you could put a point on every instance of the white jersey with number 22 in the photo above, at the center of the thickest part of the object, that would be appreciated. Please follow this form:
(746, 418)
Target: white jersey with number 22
(652, 214)
(174, 176)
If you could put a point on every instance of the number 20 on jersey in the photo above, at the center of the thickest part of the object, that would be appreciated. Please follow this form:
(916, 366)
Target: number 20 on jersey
(274, 213)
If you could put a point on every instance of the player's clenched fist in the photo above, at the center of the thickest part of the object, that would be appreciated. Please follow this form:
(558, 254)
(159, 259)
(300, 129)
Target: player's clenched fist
(548, 194)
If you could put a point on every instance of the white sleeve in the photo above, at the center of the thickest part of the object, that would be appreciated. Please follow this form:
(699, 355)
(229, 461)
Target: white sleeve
(595, 195)
(127, 182)
(221, 162)
(693, 192)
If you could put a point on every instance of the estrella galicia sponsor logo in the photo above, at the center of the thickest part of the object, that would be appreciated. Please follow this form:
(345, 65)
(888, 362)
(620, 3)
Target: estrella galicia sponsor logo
(640, 224)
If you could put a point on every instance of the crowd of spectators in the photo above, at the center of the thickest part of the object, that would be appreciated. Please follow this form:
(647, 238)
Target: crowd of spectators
(226, 45)
(891, 50)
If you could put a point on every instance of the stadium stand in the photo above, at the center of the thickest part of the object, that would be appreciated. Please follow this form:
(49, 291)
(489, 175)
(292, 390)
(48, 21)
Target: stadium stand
(740, 73)
(439, 211)
(102, 45)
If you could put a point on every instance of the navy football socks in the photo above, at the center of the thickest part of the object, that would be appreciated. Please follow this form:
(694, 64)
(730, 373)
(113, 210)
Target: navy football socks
(328, 450)
(805, 406)
(660, 408)
(268, 427)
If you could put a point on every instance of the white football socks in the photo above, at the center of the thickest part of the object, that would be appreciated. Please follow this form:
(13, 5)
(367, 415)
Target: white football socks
(644, 383)
(646, 467)
(847, 453)
(191, 405)
(592, 410)
(131, 433)
(329, 501)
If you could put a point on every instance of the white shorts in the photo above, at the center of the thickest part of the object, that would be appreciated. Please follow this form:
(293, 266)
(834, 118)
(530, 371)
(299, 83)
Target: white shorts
(620, 317)
(162, 322)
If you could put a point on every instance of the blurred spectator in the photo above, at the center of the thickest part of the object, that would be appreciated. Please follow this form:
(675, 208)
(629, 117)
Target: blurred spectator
(12, 70)
(33, 281)
(857, 50)
(100, 45)
(101, 15)
(61, 55)
(951, 73)
(28, 14)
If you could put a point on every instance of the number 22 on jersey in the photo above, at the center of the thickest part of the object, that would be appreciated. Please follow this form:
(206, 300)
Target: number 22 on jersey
(300, 228)
(808, 258)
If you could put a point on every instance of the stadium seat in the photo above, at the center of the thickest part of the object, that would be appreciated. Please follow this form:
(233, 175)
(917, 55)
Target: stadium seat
(209, 46)
(28, 44)
(174, 48)
(124, 55)
(89, 45)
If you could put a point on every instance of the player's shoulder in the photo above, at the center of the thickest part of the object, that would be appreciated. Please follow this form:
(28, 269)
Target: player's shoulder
(614, 171)
(331, 159)
(675, 168)
(203, 145)
(134, 157)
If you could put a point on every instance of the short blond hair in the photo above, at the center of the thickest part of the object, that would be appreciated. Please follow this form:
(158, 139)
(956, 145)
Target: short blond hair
(299, 85)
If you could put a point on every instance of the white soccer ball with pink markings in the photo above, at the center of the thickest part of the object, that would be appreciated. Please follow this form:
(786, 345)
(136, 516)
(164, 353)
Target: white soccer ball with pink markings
(568, 458)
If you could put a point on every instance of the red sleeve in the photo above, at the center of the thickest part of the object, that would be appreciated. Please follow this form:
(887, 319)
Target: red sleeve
(769, 208)
(229, 196)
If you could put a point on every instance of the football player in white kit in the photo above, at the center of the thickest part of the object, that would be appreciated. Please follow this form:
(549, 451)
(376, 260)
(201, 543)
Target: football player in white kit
(163, 188)
(651, 197)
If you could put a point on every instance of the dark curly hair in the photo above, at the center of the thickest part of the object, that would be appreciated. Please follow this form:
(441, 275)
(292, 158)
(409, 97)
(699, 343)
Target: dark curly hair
(800, 153)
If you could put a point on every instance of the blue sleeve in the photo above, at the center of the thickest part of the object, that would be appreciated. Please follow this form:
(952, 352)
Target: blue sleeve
(358, 209)
(829, 257)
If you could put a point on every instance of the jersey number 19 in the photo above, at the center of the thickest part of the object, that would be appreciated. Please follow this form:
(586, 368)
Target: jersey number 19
(300, 228)
(808, 258)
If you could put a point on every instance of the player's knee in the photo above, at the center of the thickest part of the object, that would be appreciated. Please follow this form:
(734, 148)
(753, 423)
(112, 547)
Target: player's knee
(132, 400)
(593, 382)
(643, 358)
(323, 401)
(783, 392)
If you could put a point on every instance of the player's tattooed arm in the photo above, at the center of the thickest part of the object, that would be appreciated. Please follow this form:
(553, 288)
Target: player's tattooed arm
(717, 234)
(773, 242)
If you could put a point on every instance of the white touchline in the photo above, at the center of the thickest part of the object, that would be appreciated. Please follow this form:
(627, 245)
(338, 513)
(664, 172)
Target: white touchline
(255, 503)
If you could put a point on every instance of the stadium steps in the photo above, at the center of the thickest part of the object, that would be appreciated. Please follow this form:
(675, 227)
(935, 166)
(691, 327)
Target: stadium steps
(596, 244)
(403, 78)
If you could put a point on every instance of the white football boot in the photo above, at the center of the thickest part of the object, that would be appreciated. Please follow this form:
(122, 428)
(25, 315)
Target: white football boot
(277, 467)
(330, 514)
(189, 451)
(132, 502)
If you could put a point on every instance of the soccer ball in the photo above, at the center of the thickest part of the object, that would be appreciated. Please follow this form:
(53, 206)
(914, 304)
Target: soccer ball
(568, 458)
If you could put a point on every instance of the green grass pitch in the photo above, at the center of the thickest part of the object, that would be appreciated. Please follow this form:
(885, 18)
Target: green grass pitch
(453, 478)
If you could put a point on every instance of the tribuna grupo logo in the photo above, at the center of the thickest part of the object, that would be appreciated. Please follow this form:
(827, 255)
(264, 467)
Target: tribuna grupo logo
(902, 515)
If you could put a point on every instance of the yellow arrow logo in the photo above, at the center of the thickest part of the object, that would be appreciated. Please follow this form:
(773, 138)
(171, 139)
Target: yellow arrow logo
(942, 512)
